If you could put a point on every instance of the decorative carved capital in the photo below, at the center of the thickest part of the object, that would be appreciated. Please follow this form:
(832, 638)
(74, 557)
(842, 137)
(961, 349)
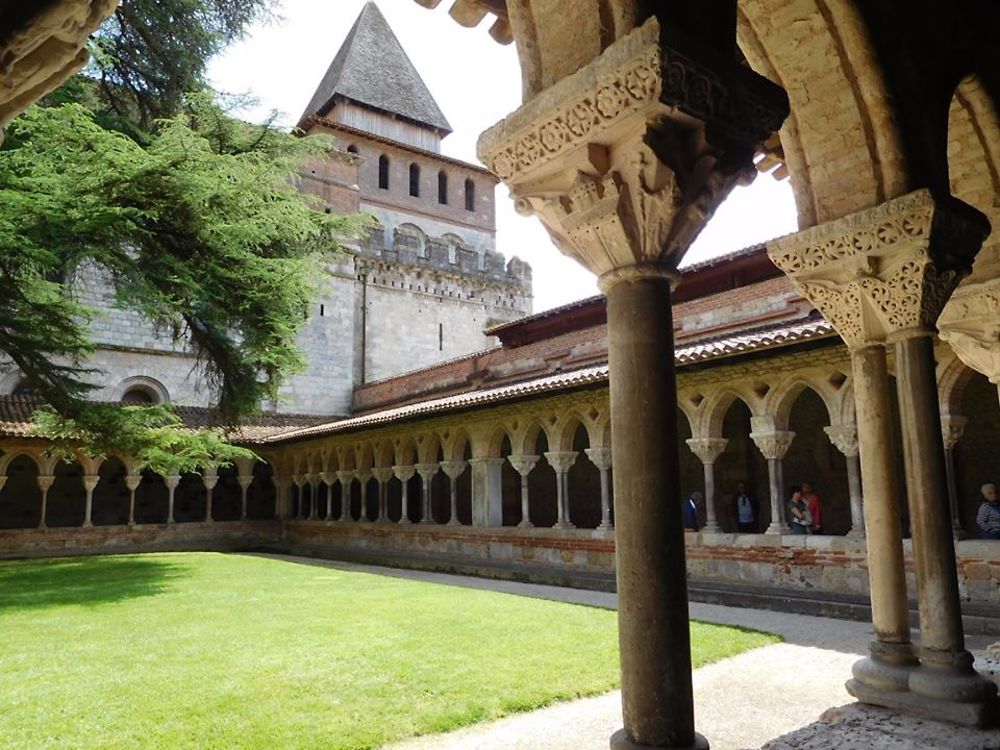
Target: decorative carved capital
(90, 482)
(427, 471)
(382, 474)
(454, 469)
(952, 429)
(363, 476)
(626, 160)
(132, 482)
(345, 477)
(561, 461)
(844, 437)
(245, 480)
(707, 449)
(45, 481)
(523, 464)
(889, 269)
(210, 480)
(172, 480)
(774, 445)
(404, 473)
(970, 324)
(328, 477)
(600, 457)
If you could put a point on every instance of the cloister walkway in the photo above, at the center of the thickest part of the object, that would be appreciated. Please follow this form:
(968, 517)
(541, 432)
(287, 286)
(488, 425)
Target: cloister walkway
(741, 702)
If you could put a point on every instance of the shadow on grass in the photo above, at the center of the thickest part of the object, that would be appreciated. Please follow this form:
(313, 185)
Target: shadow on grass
(85, 582)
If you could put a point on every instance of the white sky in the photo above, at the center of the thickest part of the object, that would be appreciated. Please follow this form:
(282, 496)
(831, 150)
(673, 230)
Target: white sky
(476, 83)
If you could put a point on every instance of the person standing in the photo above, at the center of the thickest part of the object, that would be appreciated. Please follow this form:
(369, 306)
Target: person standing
(811, 498)
(745, 508)
(690, 512)
(988, 517)
(798, 513)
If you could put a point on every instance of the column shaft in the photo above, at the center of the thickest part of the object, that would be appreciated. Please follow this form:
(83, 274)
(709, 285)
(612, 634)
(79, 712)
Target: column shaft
(654, 636)
(956, 516)
(776, 480)
(525, 504)
(711, 524)
(854, 488)
(605, 501)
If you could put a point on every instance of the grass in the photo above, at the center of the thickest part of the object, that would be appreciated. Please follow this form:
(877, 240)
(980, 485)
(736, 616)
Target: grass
(209, 651)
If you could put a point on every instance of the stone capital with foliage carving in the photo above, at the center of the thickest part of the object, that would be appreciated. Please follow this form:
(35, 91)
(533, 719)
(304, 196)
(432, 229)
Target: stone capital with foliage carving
(523, 464)
(707, 449)
(952, 429)
(773, 445)
(844, 438)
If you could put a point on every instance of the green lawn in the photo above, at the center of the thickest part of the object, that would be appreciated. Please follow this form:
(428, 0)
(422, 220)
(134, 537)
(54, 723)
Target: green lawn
(205, 651)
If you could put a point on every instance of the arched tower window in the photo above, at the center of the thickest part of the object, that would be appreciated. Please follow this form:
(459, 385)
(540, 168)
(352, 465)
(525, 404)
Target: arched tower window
(470, 195)
(442, 188)
(383, 172)
(352, 149)
(138, 396)
(414, 180)
(23, 389)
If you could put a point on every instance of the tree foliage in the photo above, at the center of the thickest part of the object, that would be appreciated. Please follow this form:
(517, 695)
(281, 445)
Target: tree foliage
(200, 228)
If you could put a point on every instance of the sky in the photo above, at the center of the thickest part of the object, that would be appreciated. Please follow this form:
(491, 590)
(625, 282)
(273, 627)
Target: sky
(476, 82)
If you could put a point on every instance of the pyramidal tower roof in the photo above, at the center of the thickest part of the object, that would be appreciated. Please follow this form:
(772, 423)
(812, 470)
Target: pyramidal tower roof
(372, 69)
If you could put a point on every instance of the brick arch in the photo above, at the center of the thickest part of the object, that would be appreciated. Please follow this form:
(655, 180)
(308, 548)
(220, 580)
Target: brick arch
(841, 144)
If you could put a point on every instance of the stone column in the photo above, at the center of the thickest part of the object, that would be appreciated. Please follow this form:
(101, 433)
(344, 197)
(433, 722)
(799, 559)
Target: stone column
(346, 479)
(282, 500)
(45, 482)
(601, 458)
(487, 492)
(624, 161)
(952, 429)
(454, 469)
(171, 480)
(329, 479)
(210, 478)
(523, 465)
(245, 481)
(89, 485)
(845, 438)
(774, 444)
(383, 474)
(363, 477)
(313, 496)
(404, 474)
(883, 276)
(427, 472)
(132, 482)
(298, 480)
(708, 449)
(562, 461)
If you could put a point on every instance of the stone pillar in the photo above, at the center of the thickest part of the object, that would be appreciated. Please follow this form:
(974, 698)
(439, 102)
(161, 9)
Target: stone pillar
(282, 500)
(601, 458)
(171, 480)
(245, 481)
(298, 480)
(709, 449)
(487, 492)
(562, 461)
(45, 482)
(845, 438)
(89, 485)
(774, 444)
(952, 429)
(453, 470)
(523, 465)
(210, 478)
(427, 472)
(363, 477)
(624, 161)
(404, 474)
(132, 482)
(882, 277)
(382, 475)
(314, 481)
(329, 478)
(346, 479)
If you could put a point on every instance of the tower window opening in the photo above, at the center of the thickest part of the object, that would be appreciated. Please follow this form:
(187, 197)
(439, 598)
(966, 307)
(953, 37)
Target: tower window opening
(470, 195)
(442, 188)
(440, 337)
(352, 149)
(322, 310)
(414, 180)
(383, 172)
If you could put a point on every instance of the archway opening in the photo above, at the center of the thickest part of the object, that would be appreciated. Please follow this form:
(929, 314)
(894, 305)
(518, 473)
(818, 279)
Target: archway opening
(21, 498)
(111, 496)
(66, 503)
(741, 462)
(542, 486)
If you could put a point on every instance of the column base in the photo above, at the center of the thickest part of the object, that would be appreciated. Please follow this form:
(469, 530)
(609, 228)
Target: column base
(856, 533)
(427, 521)
(778, 528)
(621, 741)
(454, 522)
(563, 525)
(404, 521)
(606, 526)
(908, 702)
(887, 670)
(526, 525)
(712, 528)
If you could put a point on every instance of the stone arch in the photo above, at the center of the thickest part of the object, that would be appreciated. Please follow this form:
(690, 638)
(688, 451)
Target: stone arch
(384, 452)
(843, 149)
(953, 378)
(20, 497)
(8, 458)
(455, 443)
(405, 451)
(10, 382)
(542, 479)
(718, 405)
(409, 236)
(781, 400)
(142, 389)
(565, 429)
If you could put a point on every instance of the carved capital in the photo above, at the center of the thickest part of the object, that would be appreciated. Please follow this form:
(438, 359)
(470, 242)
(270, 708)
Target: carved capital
(45, 481)
(952, 429)
(171, 480)
(363, 476)
(245, 480)
(382, 474)
(886, 270)
(626, 160)
(707, 449)
(561, 461)
(427, 471)
(327, 477)
(90, 482)
(523, 464)
(774, 445)
(210, 480)
(299, 480)
(844, 438)
(403, 473)
(454, 469)
(132, 482)
(345, 477)
(600, 457)
(970, 324)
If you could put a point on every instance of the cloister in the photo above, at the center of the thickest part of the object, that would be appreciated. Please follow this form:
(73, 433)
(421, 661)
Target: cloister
(638, 120)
